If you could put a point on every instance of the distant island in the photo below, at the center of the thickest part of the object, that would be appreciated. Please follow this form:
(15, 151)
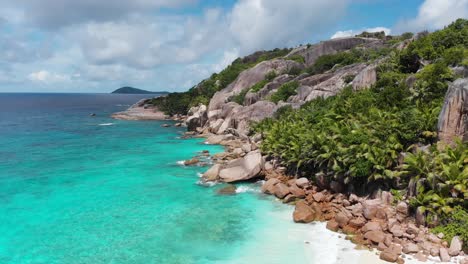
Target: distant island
(131, 90)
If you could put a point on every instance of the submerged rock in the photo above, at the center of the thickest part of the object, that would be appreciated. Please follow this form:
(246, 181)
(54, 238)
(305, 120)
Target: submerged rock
(228, 190)
(191, 162)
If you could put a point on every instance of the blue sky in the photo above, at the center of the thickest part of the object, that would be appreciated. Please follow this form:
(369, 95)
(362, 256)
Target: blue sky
(98, 46)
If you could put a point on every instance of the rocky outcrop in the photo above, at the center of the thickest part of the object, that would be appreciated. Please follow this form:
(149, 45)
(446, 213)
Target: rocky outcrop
(313, 52)
(332, 84)
(250, 77)
(197, 117)
(242, 169)
(253, 97)
(365, 78)
(453, 119)
(141, 111)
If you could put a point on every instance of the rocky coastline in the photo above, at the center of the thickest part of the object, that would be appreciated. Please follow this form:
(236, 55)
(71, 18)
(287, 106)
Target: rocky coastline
(141, 110)
(378, 221)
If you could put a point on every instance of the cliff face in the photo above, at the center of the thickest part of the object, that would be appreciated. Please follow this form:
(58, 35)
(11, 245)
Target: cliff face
(223, 113)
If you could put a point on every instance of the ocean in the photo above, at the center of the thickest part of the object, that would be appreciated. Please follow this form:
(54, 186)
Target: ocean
(81, 189)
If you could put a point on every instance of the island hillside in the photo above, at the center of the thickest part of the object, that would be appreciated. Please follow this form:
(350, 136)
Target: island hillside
(367, 132)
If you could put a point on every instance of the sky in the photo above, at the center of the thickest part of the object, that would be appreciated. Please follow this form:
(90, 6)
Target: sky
(97, 46)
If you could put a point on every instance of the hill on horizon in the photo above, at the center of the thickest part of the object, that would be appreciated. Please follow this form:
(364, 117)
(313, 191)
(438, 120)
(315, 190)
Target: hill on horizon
(132, 90)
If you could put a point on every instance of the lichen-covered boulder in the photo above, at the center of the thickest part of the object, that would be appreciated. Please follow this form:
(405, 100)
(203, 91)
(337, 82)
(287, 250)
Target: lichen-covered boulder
(453, 118)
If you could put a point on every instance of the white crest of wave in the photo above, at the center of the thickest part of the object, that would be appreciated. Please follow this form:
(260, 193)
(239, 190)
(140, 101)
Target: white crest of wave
(244, 189)
(106, 124)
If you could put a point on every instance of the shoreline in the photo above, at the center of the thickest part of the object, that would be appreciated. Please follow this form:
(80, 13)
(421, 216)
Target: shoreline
(396, 247)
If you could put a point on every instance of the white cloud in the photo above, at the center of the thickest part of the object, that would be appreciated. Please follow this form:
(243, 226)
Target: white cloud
(435, 14)
(98, 44)
(146, 42)
(350, 33)
(47, 77)
(53, 14)
(274, 23)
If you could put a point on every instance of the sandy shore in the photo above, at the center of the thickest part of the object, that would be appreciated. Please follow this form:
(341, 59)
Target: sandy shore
(140, 111)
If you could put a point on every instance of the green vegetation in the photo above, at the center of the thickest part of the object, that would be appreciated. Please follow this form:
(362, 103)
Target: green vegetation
(356, 137)
(439, 177)
(349, 78)
(326, 62)
(258, 86)
(297, 58)
(340, 59)
(379, 35)
(240, 97)
(454, 224)
(284, 92)
(179, 103)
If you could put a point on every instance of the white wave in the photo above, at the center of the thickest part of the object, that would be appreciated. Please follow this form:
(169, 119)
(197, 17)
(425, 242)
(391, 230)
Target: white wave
(199, 174)
(106, 124)
(181, 162)
(207, 184)
(244, 189)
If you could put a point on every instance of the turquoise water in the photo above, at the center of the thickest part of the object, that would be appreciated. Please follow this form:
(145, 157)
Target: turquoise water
(81, 189)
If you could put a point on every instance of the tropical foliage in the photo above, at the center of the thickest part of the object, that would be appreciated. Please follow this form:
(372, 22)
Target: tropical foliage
(357, 137)
(454, 224)
(439, 178)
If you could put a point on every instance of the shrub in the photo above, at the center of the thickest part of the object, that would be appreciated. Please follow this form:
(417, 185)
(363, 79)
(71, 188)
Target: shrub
(297, 58)
(454, 224)
(365, 34)
(407, 35)
(349, 78)
(432, 82)
(455, 55)
(284, 92)
(294, 71)
(441, 178)
(326, 62)
(240, 97)
(258, 86)
(270, 76)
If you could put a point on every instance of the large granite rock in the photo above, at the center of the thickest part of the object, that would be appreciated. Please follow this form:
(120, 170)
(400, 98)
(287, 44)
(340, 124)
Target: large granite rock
(242, 169)
(303, 213)
(453, 119)
(251, 98)
(212, 173)
(330, 86)
(250, 77)
(197, 117)
(312, 53)
(365, 78)
(255, 112)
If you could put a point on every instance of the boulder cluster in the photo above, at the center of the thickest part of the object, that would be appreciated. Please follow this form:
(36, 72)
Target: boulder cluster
(380, 223)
